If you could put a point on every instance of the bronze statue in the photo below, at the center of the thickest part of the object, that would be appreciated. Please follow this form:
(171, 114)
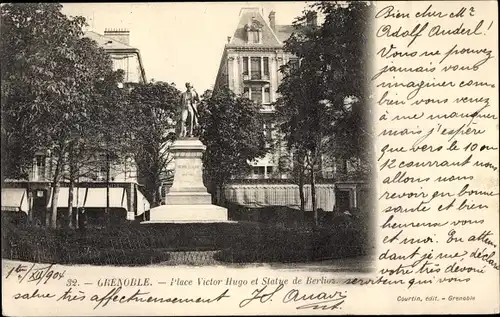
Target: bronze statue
(189, 100)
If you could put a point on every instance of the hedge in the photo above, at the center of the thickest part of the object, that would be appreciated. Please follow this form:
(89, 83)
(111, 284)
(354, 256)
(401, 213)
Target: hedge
(133, 243)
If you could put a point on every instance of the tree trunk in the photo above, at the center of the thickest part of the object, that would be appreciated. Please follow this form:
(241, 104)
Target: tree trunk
(313, 195)
(55, 190)
(72, 177)
(219, 194)
(106, 212)
(314, 158)
(154, 202)
(157, 196)
(70, 203)
(301, 189)
(77, 213)
(55, 197)
(301, 170)
(30, 205)
(47, 212)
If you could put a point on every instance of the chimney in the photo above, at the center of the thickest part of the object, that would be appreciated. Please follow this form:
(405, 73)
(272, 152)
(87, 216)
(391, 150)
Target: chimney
(272, 20)
(228, 39)
(120, 35)
(312, 18)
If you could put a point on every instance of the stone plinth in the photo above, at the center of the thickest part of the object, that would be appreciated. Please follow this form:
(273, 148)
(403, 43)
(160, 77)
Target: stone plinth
(188, 199)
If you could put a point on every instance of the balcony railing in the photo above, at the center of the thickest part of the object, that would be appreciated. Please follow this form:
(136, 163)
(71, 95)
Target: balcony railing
(255, 76)
(267, 108)
(257, 176)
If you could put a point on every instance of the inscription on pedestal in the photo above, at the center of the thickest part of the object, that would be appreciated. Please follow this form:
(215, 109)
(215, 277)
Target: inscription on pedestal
(187, 166)
(188, 174)
(188, 170)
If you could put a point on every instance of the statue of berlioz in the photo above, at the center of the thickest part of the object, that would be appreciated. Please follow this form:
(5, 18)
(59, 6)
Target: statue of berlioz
(189, 100)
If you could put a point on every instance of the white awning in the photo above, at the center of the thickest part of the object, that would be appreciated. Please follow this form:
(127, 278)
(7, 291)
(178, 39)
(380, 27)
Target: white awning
(262, 195)
(96, 198)
(142, 203)
(15, 199)
(93, 197)
(62, 199)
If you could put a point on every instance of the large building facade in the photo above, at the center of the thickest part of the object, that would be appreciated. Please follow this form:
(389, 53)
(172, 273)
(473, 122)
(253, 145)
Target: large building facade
(33, 195)
(250, 66)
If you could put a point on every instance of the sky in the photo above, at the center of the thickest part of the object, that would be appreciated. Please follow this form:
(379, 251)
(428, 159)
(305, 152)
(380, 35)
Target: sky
(179, 42)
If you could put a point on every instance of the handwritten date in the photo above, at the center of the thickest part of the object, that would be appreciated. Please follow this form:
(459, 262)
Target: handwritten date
(35, 273)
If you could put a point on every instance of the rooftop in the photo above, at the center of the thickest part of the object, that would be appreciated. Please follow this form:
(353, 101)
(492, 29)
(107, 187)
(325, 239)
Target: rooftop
(107, 42)
(283, 32)
(115, 46)
(270, 38)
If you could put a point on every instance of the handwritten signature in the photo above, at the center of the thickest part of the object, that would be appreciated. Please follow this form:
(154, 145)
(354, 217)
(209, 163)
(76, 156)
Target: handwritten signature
(322, 300)
(35, 273)
(261, 296)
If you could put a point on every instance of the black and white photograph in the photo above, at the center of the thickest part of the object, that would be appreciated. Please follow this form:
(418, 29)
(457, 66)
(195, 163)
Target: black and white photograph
(127, 147)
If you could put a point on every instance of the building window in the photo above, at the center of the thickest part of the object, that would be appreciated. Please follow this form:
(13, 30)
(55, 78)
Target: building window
(258, 172)
(262, 172)
(267, 130)
(245, 65)
(40, 160)
(102, 163)
(268, 134)
(256, 94)
(266, 66)
(267, 95)
(102, 173)
(294, 63)
(253, 30)
(255, 67)
(254, 37)
(269, 170)
(40, 167)
(340, 166)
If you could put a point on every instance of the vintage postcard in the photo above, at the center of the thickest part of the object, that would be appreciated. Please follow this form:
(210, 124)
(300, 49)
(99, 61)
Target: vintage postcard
(249, 158)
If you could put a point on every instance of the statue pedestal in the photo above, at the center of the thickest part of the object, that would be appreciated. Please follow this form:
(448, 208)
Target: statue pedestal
(188, 199)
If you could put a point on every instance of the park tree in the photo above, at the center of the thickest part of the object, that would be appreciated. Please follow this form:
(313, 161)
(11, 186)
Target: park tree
(91, 115)
(101, 137)
(35, 45)
(52, 77)
(333, 67)
(347, 53)
(304, 122)
(153, 111)
(231, 129)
